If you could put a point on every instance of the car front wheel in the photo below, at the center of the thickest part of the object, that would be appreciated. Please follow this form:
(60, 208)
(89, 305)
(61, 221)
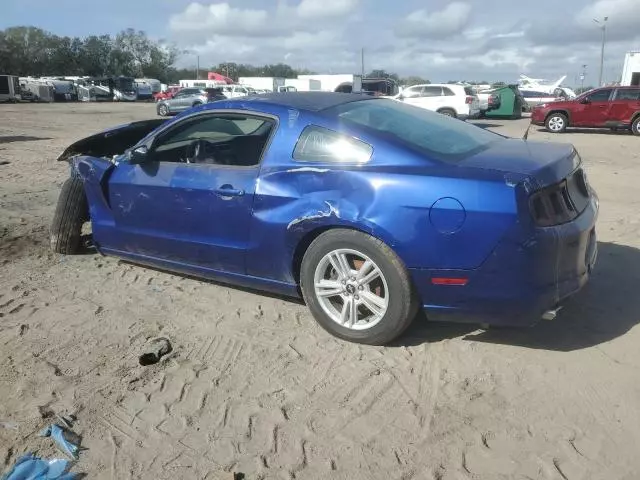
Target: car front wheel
(556, 123)
(163, 111)
(357, 288)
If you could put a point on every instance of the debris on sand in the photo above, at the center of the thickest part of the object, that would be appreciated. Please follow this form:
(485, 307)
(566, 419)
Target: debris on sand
(157, 349)
(30, 467)
(65, 439)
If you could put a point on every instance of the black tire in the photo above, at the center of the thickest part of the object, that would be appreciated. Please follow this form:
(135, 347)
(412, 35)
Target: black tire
(556, 122)
(402, 304)
(163, 110)
(195, 104)
(635, 126)
(448, 112)
(71, 213)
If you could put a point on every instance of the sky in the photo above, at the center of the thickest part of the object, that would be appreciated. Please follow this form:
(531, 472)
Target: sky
(435, 39)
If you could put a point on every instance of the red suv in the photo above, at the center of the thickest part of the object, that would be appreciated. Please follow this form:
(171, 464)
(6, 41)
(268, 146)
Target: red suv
(607, 107)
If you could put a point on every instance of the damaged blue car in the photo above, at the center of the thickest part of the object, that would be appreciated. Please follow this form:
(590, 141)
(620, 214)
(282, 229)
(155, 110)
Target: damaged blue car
(368, 208)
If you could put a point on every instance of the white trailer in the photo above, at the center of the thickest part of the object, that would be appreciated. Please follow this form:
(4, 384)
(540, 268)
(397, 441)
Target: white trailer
(201, 83)
(271, 84)
(631, 69)
(338, 82)
(303, 84)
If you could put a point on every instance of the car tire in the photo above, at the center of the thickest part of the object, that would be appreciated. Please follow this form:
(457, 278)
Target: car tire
(163, 110)
(556, 123)
(448, 112)
(635, 126)
(72, 211)
(195, 104)
(390, 290)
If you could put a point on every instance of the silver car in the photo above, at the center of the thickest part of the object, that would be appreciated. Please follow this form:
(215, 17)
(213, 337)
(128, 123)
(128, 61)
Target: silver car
(187, 98)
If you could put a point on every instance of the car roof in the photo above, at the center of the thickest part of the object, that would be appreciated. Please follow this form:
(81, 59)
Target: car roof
(310, 101)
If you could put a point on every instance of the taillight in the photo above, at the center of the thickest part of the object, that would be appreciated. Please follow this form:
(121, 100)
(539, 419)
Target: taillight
(469, 100)
(561, 202)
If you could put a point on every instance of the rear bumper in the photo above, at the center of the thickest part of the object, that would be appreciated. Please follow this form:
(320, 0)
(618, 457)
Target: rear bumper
(520, 281)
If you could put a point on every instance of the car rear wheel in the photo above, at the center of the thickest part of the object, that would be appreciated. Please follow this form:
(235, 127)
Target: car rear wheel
(71, 213)
(635, 126)
(448, 112)
(357, 288)
(556, 123)
(163, 110)
(195, 104)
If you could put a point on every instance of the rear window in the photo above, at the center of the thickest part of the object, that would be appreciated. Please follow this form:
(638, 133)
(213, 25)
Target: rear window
(438, 136)
(469, 91)
(628, 94)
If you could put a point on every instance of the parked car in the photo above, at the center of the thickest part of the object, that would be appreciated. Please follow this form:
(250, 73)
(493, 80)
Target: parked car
(607, 107)
(368, 208)
(168, 93)
(453, 100)
(233, 91)
(488, 100)
(187, 98)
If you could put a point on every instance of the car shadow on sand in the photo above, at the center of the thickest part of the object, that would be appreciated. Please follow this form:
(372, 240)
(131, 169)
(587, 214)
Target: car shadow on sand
(599, 131)
(21, 138)
(607, 308)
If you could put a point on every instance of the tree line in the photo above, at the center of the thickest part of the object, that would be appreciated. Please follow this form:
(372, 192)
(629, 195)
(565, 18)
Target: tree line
(32, 51)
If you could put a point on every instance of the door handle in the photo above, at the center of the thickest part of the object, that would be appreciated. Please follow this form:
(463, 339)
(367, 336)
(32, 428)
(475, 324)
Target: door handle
(228, 191)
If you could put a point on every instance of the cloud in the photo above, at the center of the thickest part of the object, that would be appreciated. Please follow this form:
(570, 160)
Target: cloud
(198, 20)
(221, 19)
(444, 23)
(316, 9)
(495, 43)
(624, 18)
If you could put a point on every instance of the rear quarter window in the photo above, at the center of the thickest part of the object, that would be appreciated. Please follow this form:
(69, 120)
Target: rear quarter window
(318, 144)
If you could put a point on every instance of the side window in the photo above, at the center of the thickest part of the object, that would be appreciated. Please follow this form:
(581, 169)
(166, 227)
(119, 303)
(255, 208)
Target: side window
(412, 92)
(432, 92)
(317, 144)
(600, 95)
(229, 139)
(628, 94)
(447, 92)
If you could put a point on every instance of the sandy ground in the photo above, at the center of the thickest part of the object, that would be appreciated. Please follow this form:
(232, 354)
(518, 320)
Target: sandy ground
(254, 386)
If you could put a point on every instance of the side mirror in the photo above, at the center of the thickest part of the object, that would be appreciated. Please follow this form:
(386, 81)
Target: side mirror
(138, 155)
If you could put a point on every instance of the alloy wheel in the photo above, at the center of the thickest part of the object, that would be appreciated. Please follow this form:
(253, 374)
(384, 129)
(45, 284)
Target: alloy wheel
(351, 289)
(556, 124)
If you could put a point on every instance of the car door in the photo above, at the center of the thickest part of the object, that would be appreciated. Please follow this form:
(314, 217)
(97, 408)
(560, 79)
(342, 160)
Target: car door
(623, 106)
(189, 206)
(592, 110)
(178, 102)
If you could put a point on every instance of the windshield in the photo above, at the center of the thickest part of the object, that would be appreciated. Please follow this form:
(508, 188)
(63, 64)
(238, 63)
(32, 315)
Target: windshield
(439, 136)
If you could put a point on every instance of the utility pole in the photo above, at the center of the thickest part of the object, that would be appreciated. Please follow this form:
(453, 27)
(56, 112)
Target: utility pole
(582, 75)
(603, 26)
(198, 67)
(362, 62)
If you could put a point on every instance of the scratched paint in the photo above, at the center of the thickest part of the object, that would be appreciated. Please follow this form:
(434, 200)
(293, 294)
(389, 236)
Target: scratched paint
(315, 216)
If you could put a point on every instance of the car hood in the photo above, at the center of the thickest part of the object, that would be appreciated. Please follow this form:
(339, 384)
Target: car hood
(112, 141)
(558, 104)
(544, 162)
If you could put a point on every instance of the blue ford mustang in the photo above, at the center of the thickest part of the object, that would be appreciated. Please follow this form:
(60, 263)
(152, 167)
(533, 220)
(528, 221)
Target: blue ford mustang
(369, 208)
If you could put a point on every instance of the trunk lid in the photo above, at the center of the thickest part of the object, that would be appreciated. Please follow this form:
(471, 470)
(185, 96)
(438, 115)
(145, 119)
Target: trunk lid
(545, 163)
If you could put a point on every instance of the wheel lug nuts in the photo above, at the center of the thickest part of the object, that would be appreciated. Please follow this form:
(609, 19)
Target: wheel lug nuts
(357, 297)
(360, 287)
